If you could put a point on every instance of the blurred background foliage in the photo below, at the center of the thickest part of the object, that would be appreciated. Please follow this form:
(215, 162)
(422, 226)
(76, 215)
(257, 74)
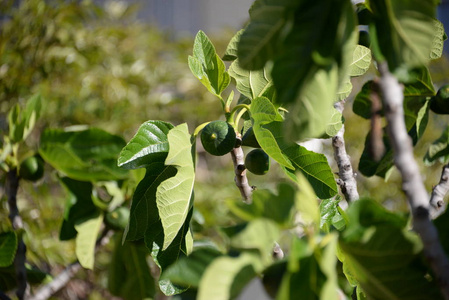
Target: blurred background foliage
(102, 67)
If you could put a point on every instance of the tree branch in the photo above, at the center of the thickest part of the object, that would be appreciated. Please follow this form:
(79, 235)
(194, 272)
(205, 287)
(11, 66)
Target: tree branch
(440, 190)
(412, 184)
(241, 181)
(347, 182)
(65, 276)
(17, 225)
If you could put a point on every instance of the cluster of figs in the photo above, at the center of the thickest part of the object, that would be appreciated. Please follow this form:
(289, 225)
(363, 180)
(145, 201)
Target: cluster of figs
(219, 138)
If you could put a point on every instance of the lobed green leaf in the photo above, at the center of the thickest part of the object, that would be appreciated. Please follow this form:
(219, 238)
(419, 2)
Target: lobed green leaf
(174, 194)
(87, 155)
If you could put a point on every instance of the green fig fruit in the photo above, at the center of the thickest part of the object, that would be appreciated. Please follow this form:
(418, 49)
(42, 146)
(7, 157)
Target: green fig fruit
(257, 162)
(218, 138)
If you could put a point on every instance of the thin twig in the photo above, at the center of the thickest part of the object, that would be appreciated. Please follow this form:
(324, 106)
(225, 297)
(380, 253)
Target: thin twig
(440, 190)
(347, 182)
(241, 181)
(65, 276)
(412, 184)
(17, 225)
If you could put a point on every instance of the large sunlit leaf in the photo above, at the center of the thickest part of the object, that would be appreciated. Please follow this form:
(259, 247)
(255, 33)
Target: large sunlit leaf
(438, 40)
(86, 238)
(207, 66)
(439, 149)
(360, 62)
(226, 276)
(405, 31)
(267, 126)
(384, 256)
(258, 42)
(315, 168)
(173, 195)
(252, 84)
(129, 275)
(149, 144)
(87, 155)
(8, 247)
(313, 105)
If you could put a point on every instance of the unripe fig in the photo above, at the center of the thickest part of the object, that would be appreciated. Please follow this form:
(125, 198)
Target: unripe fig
(32, 168)
(118, 218)
(257, 162)
(440, 103)
(218, 138)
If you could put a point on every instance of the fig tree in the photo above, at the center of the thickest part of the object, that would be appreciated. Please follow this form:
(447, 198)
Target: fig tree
(218, 138)
(440, 103)
(257, 162)
(32, 168)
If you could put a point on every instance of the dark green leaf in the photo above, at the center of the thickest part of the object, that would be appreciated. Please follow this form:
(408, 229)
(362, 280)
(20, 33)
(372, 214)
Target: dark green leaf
(258, 42)
(384, 256)
(129, 275)
(79, 205)
(315, 168)
(144, 214)
(8, 247)
(323, 33)
(188, 270)
(362, 102)
(179, 247)
(267, 126)
(416, 112)
(405, 31)
(148, 144)
(8, 279)
(88, 155)
(439, 150)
